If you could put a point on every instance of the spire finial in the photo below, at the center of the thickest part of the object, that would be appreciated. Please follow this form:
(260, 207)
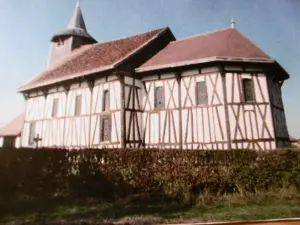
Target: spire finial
(77, 20)
(232, 23)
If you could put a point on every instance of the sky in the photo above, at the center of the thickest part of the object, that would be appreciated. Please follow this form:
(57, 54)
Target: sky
(28, 25)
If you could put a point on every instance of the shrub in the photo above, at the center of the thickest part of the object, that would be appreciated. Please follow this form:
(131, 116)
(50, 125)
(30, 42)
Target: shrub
(113, 173)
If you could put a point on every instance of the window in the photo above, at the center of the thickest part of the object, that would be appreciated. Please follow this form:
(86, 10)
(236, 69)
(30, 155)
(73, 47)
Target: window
(55, 107)
(201, 93)
(159, 98)
(78, 100)
(9, 142)
(31, 134)
(105, 106)
(248, 90)
(60, 42)
(105, 128)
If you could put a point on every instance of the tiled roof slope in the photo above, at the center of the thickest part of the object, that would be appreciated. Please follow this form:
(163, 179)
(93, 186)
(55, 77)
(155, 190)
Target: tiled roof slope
(222, 43)
(96, 57)
(13, 128)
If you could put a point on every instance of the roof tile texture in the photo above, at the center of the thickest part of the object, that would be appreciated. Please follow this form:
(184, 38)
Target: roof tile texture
(92, 57)
(222, 43)
(14, 127)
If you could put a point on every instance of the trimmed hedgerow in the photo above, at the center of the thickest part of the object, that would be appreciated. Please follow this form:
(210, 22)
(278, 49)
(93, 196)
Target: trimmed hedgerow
(113, 173)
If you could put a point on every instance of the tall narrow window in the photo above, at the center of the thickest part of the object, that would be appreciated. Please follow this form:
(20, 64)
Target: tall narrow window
(105, 128)
(201, 93)
(159, 102)
(55, 107)
(31, 134)
(105, 106)
(78, 101)
(248, 90)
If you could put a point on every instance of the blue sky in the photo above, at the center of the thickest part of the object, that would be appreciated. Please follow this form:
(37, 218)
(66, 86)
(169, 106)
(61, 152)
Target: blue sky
(28, 25)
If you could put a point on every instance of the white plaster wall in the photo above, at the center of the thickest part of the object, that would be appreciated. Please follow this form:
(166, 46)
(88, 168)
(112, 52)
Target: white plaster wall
(67, 129)
(1, 141)
(18, 142)
(252, 120)
(203, 126)
(161, 126)
(114, 89)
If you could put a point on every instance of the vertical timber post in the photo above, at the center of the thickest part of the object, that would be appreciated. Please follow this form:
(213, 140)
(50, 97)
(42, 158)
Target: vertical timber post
(91, 84)
(178, 78)
(123, 116)
(223, 75)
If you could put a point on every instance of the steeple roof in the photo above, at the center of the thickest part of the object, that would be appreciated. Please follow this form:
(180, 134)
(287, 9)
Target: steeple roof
(77, 20)
(76, 26)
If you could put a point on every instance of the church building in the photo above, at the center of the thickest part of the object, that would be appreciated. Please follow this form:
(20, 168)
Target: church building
(216, 90)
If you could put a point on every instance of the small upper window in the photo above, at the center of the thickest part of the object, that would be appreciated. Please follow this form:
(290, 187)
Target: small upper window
(159, 98)
(55, 107)
(60, 42)
(105, 101)
(78, 101)
(201, 93)
(248, 90)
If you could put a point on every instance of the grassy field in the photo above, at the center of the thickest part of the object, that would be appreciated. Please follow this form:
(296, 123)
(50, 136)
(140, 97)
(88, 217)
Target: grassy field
(147, 210)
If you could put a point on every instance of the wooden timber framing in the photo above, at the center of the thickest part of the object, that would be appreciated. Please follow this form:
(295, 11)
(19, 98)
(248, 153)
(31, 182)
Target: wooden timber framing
(223, 75)
(225, 122)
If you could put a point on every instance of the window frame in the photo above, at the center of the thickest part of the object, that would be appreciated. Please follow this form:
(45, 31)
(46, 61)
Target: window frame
(197, 89)
(161, 105)
(251, 86)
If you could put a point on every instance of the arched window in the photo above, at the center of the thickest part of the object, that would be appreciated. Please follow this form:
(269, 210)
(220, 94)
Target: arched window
(248, 90)
(105, 106)
(159, 98)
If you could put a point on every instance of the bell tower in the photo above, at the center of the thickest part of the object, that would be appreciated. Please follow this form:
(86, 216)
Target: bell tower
(76, 35)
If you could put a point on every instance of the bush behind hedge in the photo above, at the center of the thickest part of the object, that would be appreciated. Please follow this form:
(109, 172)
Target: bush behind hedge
(113, 173)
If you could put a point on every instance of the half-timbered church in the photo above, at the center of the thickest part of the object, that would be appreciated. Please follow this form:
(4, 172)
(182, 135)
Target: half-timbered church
(211, 91)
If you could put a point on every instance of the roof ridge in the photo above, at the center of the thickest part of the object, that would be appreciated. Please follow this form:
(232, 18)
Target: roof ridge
(121, 38)
(199, 35)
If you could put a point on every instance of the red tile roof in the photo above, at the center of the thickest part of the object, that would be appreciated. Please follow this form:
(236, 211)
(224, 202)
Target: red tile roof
(222, 43)
(92, 58)
(292, 139)
(13, 128)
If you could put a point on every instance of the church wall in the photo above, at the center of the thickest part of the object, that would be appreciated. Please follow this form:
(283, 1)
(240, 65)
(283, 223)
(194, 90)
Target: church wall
(63, 128)
(280, 126)
(113, 113)
(161, 125)
(204, 125)
(251, 125)
(68, 129)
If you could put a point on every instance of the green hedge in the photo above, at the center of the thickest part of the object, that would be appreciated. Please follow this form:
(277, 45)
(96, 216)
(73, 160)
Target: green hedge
(113, 173)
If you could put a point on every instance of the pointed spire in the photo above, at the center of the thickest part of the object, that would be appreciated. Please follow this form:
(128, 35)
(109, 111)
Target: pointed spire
(232, 23)
(77, 20)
